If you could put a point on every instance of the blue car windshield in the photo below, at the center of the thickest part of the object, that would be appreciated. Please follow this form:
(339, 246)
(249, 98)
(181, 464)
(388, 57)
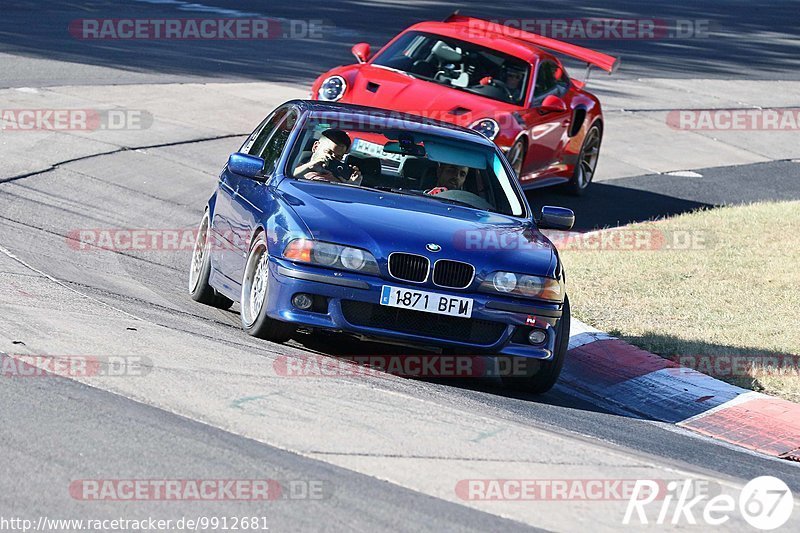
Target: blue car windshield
(413, 160)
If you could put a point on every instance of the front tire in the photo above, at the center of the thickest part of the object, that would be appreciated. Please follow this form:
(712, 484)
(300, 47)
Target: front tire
(516, 156)
(547, 374)
(587, 163)
(200, 269)
(255, 292)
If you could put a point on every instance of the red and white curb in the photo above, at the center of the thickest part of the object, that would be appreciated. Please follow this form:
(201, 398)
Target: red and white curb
(627, 379)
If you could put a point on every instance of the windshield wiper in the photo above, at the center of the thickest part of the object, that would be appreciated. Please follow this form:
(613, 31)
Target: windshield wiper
(456, 202)
(395, 190)
(462, 203)
(396, 70)
(422, 194)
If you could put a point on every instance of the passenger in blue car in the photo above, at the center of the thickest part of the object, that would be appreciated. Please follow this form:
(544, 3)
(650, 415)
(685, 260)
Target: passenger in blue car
(326, 162)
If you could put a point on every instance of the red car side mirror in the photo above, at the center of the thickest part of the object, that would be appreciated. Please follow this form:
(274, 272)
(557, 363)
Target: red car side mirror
(361, 51)
(553, 103)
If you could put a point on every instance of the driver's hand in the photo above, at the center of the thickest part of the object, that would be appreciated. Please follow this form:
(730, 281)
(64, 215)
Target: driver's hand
(325, 158)
(306, 167)
(355, 175)
(322, 175)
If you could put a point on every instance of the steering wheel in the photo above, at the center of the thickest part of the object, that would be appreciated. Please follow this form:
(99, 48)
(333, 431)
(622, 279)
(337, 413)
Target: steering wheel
(466, 197)
(501, 85)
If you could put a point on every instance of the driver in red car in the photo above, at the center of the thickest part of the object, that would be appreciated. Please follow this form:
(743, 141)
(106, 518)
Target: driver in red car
(326, 162)
(513, 80)
(449, 177)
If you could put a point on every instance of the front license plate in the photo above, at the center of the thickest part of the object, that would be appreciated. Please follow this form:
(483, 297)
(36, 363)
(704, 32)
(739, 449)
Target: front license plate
(430, 302)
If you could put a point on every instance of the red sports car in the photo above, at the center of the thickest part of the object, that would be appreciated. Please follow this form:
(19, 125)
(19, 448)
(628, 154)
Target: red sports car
(500, 81)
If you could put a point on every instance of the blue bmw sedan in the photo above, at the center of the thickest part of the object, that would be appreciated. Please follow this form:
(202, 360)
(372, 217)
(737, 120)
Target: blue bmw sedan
(384, 226)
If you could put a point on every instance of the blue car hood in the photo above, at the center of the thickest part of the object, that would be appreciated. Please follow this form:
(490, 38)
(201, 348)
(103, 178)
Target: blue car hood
(384, 222)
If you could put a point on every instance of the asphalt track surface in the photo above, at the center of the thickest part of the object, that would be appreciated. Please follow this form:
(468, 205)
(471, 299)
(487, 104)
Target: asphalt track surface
(56, 430)
(745, 39)
(635, 199)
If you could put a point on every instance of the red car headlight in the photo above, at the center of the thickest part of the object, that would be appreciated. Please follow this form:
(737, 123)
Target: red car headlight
(487, 127)
(332, 89)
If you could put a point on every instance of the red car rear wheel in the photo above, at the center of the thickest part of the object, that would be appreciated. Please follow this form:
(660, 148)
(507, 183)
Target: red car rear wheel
(516, 156)
(587, 162)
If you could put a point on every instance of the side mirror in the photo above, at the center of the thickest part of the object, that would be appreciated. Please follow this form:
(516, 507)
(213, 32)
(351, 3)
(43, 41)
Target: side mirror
(553, 103)
(556, 218)
(248, 166)
(361, 51)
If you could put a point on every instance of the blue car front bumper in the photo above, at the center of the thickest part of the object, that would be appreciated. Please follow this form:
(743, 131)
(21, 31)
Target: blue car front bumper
(498, 326)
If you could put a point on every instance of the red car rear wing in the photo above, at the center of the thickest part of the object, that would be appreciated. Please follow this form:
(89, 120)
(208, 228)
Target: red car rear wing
(598, 59)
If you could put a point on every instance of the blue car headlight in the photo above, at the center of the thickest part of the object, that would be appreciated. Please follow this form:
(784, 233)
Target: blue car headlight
(524, 285)
(487, 127)
(332, 89)
(331, 255)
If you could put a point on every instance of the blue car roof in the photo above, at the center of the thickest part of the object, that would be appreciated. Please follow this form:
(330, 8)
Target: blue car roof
(359, 114)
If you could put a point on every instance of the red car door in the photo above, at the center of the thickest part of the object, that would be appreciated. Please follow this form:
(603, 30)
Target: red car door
(547, 123)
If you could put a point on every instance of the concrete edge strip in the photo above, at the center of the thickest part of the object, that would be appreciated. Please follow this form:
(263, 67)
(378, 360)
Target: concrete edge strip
(623, 376)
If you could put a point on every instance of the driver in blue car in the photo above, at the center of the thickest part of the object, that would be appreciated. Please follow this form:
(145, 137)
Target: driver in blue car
(449, 177)
(326, 162)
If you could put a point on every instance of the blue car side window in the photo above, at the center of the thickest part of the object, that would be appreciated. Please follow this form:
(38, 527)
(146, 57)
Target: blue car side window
(273, 148)
(255, 144)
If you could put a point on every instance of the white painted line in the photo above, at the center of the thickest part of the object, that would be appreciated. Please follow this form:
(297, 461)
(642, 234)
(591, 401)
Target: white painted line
(577, 327)
(685, 174)
(587, 337)
(581, 333)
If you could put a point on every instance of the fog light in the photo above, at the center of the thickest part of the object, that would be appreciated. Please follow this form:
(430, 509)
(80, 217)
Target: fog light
(537, 336)
(302, 301)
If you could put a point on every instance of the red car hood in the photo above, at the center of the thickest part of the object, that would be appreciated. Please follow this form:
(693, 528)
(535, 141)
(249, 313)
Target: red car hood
(400, 92)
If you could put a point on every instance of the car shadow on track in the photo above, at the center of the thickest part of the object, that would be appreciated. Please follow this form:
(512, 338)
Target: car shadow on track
(608, 205)
(739, 366)
(374, 356)
(639, 198)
